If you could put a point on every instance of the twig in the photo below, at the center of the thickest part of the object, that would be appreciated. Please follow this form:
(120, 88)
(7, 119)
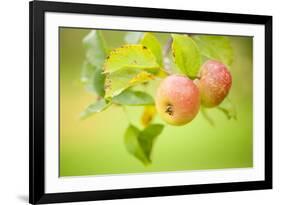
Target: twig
(167, 47)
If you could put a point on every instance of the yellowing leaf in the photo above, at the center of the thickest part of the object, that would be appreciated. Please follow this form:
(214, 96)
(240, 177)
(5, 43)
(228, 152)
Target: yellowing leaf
(162, 73)
(130, 56)
(128, 66)
(122, 79)
(186, 55)
(148, 115)
(141, 77)
(151, 42)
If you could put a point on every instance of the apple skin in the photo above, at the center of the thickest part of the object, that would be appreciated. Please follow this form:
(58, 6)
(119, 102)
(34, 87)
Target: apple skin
(214, 83)
(177, 100)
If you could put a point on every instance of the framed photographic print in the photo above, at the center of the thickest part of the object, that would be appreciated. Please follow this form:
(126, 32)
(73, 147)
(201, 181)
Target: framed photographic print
(140, 102)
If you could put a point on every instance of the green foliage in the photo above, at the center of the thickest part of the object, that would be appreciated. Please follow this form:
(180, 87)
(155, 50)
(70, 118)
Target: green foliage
(92, 69)
(215, 47)
(140, 143)
(131, 97)
(147, 138)
(93, 78)
(98, 82)
(112, 75)
(96, 49)
(87, 72)
(87, 75)
(151, 42)
(133, 37)
(228, 108)
(186, 55)
(132, 144)
(96, 107)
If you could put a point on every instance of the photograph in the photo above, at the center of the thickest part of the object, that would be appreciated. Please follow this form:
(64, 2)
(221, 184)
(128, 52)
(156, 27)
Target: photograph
(143, 102)
(114, 102)
(130, 102)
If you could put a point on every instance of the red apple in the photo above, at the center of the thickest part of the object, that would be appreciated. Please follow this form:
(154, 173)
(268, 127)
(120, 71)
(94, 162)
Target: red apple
(177, 100)
(214, 83)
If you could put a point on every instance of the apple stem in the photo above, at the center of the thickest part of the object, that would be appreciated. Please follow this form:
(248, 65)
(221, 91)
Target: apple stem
(167, 47)
(166, 51)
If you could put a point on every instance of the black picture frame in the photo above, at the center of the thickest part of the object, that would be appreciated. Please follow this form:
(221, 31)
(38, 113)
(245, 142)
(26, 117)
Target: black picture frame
(37, 9)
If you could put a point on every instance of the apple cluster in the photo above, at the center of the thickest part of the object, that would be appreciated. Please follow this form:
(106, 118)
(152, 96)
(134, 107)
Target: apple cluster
(178, 98)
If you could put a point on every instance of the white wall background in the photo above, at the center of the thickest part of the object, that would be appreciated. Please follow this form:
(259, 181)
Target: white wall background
(14, 100)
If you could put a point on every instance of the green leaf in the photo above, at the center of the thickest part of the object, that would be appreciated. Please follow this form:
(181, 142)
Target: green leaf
(151, 42)
(98, 82)
(140, 143)
(131, 56)
(96, 107)
(147, 138)
(96, 50)
(120, 80)
(228, 108)
(133, 146)
(186, 55)
(133, 37)
(215, 47)
(87, 72)
(130, 97)
(93, 78)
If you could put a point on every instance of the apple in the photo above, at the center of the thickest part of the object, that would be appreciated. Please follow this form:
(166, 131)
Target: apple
(214, 83)
(177, 100)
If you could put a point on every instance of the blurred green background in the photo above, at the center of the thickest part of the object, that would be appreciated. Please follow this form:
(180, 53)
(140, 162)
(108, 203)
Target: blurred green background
(95, 146)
